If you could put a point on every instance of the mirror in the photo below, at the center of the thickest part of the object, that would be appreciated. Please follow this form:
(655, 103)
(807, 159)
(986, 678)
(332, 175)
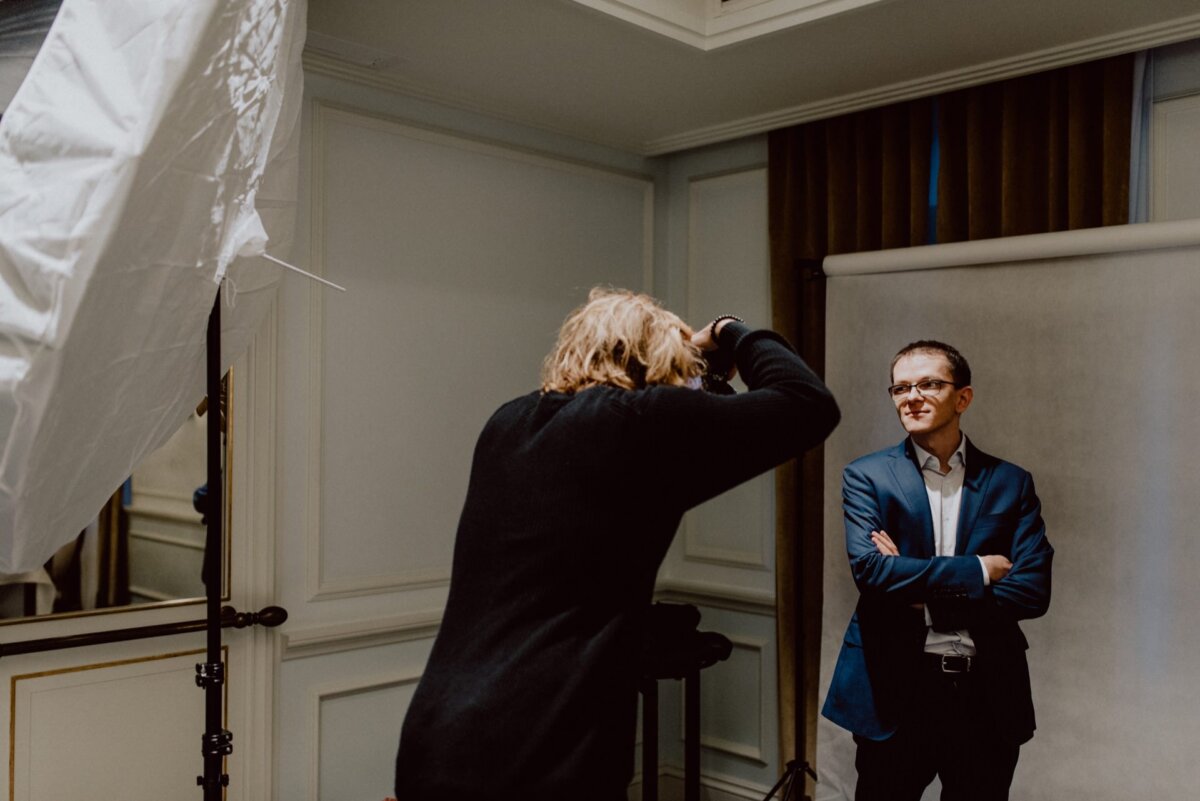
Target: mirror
(145, 545)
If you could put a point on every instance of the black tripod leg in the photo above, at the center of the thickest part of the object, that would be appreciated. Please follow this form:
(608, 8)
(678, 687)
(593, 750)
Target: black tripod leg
(650, 739)
(691, 736)
(785, 782)
(794, 770)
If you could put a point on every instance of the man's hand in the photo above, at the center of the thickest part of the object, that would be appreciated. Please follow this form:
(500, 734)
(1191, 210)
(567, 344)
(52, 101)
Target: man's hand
(997, 567)
(883, 543)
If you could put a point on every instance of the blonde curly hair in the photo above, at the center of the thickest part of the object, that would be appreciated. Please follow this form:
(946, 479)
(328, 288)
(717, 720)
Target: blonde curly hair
(621, 339)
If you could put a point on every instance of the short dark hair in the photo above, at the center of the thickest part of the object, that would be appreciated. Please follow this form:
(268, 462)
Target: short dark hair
(960, 371)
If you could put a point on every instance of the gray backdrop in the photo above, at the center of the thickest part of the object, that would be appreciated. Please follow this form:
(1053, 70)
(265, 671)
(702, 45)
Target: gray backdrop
(1086, 373)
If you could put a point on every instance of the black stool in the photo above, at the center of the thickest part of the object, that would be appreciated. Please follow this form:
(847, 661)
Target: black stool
(676, 650)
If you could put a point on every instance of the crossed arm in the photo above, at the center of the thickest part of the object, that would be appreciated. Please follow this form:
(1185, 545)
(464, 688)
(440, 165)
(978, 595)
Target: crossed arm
(953, 587)
(995, 565)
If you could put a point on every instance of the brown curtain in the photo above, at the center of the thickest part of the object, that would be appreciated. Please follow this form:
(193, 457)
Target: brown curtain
(1045, 152)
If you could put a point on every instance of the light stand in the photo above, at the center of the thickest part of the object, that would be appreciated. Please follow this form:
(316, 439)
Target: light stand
(794, 771)
(217, 742)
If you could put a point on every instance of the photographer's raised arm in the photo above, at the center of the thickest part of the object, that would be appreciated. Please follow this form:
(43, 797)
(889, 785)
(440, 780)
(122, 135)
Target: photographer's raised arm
(716, 442)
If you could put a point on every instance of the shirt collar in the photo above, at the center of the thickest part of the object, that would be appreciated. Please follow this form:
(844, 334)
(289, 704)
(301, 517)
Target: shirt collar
(959, 457)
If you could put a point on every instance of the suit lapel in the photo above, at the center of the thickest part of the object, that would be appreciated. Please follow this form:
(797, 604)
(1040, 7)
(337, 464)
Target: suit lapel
(908, 476)
(975, 484)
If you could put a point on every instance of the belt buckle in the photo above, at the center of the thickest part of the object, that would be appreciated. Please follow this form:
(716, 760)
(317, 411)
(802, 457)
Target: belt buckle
(959, 659)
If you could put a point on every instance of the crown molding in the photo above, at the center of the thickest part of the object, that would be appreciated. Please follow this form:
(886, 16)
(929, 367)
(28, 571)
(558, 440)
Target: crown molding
(324, 63)
(331, 65)
(1051, 58)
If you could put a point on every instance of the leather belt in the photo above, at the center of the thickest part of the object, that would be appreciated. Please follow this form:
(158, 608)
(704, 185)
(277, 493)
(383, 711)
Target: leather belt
(951, 663)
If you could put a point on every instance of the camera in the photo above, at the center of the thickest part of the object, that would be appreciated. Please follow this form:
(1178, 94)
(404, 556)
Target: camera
(718, 367)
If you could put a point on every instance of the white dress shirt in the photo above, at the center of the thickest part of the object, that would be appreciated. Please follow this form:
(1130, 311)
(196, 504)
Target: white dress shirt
(945, 496)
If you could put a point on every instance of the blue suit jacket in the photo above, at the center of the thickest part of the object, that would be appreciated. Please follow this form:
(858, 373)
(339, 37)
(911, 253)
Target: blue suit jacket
(999, 514)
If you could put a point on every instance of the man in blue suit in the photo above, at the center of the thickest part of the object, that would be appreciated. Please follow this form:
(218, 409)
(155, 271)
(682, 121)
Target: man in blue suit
(948, 550)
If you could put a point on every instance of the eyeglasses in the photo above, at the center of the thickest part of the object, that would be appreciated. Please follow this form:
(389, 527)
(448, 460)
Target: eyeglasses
(930, 386)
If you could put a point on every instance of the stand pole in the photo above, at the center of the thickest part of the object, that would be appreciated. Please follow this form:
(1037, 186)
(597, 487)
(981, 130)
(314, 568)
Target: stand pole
(217, 742)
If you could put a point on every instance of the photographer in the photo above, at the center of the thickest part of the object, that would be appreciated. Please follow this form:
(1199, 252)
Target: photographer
(575, 493)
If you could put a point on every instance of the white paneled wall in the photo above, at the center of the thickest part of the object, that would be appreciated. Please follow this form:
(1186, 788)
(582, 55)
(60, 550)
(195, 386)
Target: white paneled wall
(73, 714)
(731, 539)
(724, 560)
(125, 720)
(462, 253)
(1175, 162)
(463, 258)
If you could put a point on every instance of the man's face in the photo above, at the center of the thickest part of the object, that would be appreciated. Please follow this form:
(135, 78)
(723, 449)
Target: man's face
(924, 415)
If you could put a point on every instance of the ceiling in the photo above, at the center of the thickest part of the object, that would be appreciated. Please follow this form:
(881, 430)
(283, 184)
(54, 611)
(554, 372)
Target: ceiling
(616, 73)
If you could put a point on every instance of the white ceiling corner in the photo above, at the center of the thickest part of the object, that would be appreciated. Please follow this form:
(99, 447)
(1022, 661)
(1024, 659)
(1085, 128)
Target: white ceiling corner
(710, 24)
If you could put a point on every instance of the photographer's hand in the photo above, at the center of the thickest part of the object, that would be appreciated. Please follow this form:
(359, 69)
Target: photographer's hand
(703, 337)
(705, 340)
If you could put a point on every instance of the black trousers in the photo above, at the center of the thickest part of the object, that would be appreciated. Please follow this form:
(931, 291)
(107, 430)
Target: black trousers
(950, 734)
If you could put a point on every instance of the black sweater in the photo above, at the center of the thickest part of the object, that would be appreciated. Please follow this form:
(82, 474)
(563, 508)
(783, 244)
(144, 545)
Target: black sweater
(530, 691)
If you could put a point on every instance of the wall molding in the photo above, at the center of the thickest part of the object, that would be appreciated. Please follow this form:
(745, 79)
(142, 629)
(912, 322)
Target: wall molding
(719, 786)
(693, 551)
(164, 539)
(165, 508)
(16, 695)
(743, 751)
(459, 140)
(182, 497)
(749, 169)
(351, 636)
(1100, 47)
(252, 492)
(717, 596)
(755, 558)
(316, 325)
(319, 585)
(318, 695)
(1161, 174)
(334, 66)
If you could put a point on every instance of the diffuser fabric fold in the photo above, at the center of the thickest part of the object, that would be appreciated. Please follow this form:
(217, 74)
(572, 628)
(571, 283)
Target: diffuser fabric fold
(150, 153)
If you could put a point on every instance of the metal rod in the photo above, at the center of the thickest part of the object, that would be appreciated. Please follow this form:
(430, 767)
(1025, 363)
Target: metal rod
(270, 617)
(305, 273)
